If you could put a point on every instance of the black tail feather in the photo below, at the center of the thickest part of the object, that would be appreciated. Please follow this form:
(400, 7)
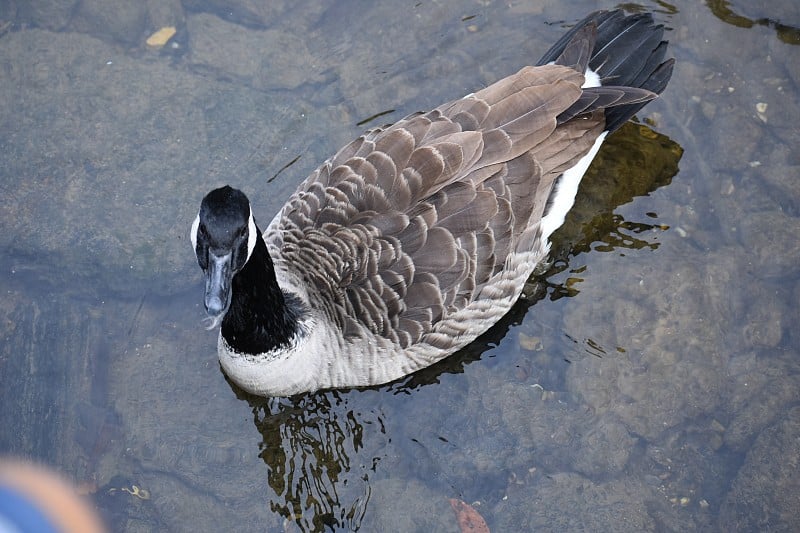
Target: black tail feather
(577, 53)
(625, 52)
(655, 82)
(557, 49)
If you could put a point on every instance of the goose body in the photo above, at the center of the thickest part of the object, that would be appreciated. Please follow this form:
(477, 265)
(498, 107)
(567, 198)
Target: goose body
(416, 238)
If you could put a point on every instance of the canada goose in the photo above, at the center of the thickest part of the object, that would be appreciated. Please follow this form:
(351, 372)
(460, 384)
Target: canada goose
(417, 237)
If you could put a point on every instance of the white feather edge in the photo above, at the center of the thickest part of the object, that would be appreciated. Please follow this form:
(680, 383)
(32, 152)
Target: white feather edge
(567, 186)
(567, 189)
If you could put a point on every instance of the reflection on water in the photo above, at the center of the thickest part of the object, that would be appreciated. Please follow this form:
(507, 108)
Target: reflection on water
(635, 161)
(311, 447)
(725, 12)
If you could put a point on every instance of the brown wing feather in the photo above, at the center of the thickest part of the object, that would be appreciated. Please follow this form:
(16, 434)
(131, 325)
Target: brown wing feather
(409, 223)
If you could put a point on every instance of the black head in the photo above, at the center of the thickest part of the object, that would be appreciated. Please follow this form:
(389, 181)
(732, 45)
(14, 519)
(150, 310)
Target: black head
(223, 235)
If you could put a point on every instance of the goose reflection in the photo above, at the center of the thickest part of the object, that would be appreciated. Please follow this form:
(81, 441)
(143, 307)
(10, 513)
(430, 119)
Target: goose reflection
(313, 446)
(322, 449)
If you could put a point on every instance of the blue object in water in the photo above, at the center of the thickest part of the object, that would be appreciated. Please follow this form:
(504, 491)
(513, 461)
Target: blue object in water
(18, 514)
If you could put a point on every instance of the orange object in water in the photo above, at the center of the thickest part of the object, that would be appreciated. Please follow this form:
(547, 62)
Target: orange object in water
(43, 501)
(469, 520)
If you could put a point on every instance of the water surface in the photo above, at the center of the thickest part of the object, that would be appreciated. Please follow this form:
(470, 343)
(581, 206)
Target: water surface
(647, 381)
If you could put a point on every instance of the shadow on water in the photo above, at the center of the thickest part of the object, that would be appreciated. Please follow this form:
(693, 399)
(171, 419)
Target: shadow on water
(312, 444)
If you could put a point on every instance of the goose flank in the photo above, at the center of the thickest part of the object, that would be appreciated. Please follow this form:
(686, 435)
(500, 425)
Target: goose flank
(417, 237)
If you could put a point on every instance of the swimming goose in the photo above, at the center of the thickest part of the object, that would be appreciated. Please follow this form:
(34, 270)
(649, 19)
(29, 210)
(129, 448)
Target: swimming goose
(417, 237)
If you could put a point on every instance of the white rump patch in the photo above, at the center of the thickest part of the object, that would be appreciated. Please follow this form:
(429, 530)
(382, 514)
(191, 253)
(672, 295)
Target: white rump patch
(567, 189)
(591, 79)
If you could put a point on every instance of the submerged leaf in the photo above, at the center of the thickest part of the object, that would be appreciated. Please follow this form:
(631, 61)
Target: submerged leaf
(161, 37)
(469, 520)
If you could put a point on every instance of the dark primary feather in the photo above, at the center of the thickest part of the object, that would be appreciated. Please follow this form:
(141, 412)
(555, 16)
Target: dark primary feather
(412, 222)
(628, 51)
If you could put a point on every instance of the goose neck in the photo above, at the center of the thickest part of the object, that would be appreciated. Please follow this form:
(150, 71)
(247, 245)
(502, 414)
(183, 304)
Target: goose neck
(258, 320)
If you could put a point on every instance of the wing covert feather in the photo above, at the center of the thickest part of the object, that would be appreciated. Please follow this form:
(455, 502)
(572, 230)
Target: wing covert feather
(410, 222)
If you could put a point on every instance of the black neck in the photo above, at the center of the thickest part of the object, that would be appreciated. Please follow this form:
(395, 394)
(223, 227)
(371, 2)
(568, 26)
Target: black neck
(258, 319)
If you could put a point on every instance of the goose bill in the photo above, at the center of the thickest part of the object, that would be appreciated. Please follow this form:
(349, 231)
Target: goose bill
(218, 287)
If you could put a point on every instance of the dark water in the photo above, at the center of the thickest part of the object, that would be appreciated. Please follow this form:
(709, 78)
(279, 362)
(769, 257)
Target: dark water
(647, 381)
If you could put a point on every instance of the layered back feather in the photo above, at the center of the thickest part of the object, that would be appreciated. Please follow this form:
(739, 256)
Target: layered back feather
(411, 223)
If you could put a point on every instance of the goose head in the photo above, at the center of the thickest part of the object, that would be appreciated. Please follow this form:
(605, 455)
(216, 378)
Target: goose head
(223, 237)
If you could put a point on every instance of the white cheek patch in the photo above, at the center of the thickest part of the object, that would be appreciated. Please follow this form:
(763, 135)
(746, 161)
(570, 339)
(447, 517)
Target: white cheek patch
(193, 232)
(252, 234)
